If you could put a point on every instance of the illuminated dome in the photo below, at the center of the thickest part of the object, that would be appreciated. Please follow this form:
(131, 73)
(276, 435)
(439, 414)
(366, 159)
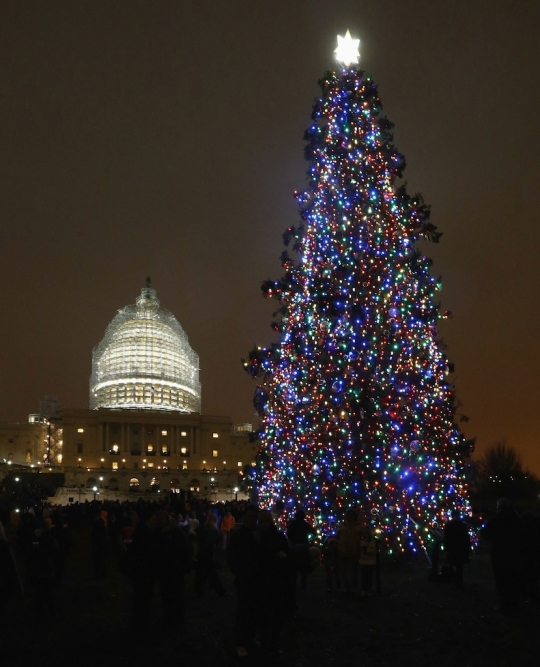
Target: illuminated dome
(145, 361)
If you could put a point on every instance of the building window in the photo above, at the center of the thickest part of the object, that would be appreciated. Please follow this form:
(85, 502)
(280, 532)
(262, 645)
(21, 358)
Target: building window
(79, 448)
(184, 465)
(183, 451)
(115, 465)
(163, 432)
(215, 435)
(80, 430)
(215, 453)
(150, 464)
(239, 464)
(115, 449)
(183, 434)
(164, 449)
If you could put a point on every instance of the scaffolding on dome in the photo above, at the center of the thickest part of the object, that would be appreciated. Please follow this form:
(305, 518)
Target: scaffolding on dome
(145, 361)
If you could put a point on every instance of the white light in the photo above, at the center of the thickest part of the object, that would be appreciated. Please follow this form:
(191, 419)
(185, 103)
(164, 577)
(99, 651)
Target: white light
(347, 49)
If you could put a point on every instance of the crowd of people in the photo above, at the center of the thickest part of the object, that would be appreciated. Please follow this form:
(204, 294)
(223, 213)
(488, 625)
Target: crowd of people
(158, 545)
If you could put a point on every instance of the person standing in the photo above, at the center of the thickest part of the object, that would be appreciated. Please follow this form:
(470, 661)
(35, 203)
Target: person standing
(173, 562)
(274, 581)
(298, 534)
(349, 536)
(242, 562)
(208, 538)
(142, 564)
(504, 532)
(457, 545)
(368, 560)
(39, 561)
(227, 524)
(10, 582)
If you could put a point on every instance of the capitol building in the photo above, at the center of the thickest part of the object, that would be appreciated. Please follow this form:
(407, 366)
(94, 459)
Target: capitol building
(143, 430)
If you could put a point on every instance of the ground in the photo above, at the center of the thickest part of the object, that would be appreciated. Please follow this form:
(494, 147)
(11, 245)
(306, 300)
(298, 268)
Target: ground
(412, 622)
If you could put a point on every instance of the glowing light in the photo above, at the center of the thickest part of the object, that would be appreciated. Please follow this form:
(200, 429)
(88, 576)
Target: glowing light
(347, 49)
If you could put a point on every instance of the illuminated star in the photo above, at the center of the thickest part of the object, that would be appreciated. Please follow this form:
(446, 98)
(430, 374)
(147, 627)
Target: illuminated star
(347, 49)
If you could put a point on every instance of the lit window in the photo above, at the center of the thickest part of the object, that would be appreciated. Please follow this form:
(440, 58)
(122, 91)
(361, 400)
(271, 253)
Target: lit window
(215, 453)
(184, 465)
(183, 434)
(115, 465)
(150, 465)
(163, 432)
(239, 464)
(253, 464)
(149, 448)
(183, 450)
(80, 430)
(59, 458)
(164, 449)
(215, 435)
(115, 449)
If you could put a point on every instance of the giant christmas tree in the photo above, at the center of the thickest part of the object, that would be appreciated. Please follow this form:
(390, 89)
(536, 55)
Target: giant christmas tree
(357, 407)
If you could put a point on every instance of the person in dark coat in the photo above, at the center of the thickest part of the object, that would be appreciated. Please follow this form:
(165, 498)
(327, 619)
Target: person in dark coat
(10, 582)
(531, 556)
(242, 562)
(298, 534)
(273, 554)
(142, 569)
(39, 561)
(504, 531)
(173, 562)
(99, 539)
(457, 546)
(208, 538)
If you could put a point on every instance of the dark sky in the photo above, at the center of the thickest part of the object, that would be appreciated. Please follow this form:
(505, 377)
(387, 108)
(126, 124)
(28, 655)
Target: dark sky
(166, 139)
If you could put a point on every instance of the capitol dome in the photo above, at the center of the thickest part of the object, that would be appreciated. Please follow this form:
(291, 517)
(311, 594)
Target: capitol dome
(145, 361)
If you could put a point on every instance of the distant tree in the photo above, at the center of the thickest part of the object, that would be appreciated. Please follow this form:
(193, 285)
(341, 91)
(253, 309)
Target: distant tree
(500, 474)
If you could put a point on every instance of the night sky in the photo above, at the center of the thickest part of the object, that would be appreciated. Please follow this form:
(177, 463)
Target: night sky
(165, 139)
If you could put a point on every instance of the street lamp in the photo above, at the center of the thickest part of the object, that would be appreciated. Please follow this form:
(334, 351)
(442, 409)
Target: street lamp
(95, 490)
(236, 493)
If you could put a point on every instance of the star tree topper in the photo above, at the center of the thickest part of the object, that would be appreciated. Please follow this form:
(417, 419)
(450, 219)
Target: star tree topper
(347, 49)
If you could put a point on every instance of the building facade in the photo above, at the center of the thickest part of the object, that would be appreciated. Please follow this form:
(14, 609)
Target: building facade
(148, 450)
(144, 431)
